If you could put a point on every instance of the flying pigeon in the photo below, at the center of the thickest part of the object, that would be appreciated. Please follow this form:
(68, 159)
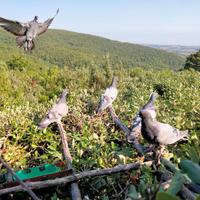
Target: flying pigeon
(57, 112)
(108, 97)
(26, 32)
(159, 133)
(136, 124)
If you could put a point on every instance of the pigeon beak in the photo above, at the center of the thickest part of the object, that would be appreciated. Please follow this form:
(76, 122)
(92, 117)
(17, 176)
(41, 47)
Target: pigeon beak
(43, 124)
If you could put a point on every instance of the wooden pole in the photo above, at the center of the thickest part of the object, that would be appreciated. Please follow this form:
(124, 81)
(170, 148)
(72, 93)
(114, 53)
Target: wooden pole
(23, 185)
(75, 192)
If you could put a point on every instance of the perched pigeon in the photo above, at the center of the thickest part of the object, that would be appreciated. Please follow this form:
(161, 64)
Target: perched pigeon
(159, 133)
(136, 124)
(55, 114)
(108, 97)
(26, 32)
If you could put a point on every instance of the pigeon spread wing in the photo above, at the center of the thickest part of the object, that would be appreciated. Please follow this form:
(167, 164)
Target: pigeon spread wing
(44, 26)
(13, 27)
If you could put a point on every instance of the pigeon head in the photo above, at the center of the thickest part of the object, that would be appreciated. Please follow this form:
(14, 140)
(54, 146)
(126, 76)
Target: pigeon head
(36, 18)
(64, 93)
(154, 96)
(50, 118)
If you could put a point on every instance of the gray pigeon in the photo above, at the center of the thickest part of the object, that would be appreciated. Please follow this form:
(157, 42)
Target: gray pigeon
(57, 112)
(159, 133)
(136, 124)
(108, 97)
(26, 32)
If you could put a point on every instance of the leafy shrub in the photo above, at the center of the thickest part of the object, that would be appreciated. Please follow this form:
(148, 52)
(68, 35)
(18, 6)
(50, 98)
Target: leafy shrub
(193, 61)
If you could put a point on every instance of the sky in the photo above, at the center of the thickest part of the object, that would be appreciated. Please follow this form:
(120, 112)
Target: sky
(169, 22)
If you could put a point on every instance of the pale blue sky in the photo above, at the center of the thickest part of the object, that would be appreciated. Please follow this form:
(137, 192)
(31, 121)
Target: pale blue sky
(136, 21)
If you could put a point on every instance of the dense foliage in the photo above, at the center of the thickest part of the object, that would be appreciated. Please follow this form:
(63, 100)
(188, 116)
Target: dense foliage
(193, 61)
(75, 50)
(31, 83)
(29, 87)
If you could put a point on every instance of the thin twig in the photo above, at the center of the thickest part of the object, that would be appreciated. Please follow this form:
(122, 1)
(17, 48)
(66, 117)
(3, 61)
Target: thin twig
(75, 191)
(187, 194)
(76, 177)
(23, 185)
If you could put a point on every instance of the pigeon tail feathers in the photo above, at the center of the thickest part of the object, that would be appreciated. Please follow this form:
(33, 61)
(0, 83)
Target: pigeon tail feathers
(184, 135)
(63, 95)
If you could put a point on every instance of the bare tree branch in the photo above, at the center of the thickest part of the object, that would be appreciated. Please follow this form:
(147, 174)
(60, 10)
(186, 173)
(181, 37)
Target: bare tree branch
(75, 192)
(75, 177)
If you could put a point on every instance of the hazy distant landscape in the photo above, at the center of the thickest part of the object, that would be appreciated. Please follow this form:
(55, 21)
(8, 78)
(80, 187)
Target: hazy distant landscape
(179, 49)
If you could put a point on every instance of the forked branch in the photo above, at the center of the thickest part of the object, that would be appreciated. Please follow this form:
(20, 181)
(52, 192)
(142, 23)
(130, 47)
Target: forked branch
(139, 148)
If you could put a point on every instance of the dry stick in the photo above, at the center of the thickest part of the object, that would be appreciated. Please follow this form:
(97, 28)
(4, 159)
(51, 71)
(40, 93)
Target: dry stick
(187, 194)
(125, 129)
(23, 185)
(65, 146)
(75, 192)
(76, 177)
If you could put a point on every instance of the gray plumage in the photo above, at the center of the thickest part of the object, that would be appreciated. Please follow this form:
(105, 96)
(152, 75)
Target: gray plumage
(57, 112)
(108, 96)
(136, 124)
(26, 32)
(159, 133)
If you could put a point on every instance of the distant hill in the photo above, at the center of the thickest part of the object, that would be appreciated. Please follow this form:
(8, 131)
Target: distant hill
(65, 48)
(179, 49)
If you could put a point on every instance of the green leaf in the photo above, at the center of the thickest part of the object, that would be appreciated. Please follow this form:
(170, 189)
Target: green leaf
(132, 192)
(198, 197)
(176, 184)
(193, 155)
(166, 196)
(191, 169)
